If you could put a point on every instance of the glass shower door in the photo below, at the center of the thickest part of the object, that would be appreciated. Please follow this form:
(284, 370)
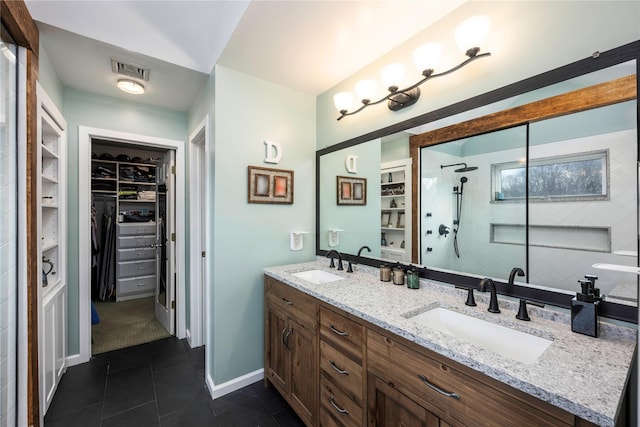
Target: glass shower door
(8, 232)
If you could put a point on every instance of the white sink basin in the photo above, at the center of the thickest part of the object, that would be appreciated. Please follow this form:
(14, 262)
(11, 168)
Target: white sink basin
(318, 277)
(507, 342)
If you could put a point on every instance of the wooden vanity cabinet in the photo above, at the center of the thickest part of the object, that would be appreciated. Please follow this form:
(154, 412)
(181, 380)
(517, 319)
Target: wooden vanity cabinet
(291, 349)
(336, 370)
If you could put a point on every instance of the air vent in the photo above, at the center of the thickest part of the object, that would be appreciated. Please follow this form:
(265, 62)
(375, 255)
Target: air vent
(130, 70)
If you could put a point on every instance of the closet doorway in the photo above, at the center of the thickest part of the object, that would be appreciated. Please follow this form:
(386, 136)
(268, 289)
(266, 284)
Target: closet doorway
(167, 298)
(132, 264)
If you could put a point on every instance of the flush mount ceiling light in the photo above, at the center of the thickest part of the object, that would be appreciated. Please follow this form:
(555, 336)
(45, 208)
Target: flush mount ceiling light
(469, 36)
(130, 86)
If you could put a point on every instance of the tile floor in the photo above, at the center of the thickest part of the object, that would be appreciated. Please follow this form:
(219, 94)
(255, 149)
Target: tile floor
(159, 384)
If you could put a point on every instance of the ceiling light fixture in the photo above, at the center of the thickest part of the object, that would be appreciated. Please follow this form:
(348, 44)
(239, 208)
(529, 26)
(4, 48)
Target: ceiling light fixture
(130, 86)
(469, 36)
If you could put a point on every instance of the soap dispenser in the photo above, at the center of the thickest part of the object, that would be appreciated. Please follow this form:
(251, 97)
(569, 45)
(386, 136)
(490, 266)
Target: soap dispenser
(584, 308)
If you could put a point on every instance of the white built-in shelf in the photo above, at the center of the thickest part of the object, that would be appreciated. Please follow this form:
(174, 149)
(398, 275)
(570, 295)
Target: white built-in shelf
(392, 183)
(135, 183)
(103, 179)
(48, 245)
(49, 179)
(136, 201)
(51, 206)
(392, 228)
(392, 209)
(47, 153)
(392, 249)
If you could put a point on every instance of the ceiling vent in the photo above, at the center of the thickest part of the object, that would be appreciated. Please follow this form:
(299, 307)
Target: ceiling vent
(130, 70)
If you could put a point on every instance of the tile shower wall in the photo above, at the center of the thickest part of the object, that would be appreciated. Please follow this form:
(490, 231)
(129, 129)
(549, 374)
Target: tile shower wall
(8, 238)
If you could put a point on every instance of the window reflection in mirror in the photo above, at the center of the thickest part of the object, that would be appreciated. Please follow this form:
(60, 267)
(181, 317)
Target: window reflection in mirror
(583, 202)
(461, 215)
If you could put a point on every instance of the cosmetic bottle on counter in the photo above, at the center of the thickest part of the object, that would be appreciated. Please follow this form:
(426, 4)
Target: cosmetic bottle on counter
(584, 308)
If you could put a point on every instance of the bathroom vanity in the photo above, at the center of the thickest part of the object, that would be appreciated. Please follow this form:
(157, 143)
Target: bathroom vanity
(345, 349)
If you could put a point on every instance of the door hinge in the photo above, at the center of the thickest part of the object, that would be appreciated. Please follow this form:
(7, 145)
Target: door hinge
(173, 170)
(204, 254)
(173, 305)
(173, 237)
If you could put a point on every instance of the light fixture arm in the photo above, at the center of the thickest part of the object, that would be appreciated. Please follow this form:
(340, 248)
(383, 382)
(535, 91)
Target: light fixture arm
(407, 92)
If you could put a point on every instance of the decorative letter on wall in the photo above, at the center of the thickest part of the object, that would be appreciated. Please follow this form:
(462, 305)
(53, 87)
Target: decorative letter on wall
(350, 163)
(273, 152)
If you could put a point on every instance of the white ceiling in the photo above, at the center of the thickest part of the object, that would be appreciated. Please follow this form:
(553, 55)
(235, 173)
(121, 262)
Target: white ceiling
(305, 45)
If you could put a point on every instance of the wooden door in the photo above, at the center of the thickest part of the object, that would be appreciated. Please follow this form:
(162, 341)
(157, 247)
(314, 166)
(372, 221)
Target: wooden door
(301, 342)
(278, 357)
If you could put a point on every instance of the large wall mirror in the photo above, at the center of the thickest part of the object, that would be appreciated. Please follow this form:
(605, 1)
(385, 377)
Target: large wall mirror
(494, 186)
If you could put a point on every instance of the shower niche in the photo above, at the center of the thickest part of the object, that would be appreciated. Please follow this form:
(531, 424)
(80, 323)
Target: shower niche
(395, 210)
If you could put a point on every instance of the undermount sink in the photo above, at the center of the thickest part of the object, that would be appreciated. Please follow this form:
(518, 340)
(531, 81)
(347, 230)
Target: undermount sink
(507, 342)
(318, 277)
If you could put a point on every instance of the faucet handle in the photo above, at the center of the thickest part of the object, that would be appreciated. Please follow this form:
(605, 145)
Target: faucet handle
(349, 268)
(522, 309)
(471, 301)
(332, 265)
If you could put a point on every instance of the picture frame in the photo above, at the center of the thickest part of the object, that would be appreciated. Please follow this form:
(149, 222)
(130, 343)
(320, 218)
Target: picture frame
(351, 191)
(400, 223)
(270, 186)
(386, 219)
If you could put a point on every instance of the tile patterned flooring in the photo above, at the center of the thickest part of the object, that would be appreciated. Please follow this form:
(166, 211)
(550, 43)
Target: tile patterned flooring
(159, 384)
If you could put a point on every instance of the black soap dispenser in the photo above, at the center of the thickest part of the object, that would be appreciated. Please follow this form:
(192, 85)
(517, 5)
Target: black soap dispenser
(584, 308)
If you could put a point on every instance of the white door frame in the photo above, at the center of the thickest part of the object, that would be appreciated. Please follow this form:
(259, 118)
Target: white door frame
(199, 241)
(85, 135)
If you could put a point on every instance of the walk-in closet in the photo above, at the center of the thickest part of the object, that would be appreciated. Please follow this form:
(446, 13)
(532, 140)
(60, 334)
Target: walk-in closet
(129, 213)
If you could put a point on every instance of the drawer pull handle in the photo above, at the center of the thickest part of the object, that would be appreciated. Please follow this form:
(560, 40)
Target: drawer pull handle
(338, 370)
(338, 332)
(286, 301)
(438, 389)
(339, 409)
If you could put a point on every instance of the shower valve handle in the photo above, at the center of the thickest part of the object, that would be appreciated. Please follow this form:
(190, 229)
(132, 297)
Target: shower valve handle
(443, 230)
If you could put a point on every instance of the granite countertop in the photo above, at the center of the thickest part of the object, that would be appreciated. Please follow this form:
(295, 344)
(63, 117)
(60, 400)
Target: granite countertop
(582, 375)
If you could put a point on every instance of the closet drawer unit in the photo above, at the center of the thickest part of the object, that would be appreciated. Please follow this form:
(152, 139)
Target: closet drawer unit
(341, 371)
(341, 331)
(134, 229)
(136, 254)
(128, 242)
(136, 268)
(136, 285)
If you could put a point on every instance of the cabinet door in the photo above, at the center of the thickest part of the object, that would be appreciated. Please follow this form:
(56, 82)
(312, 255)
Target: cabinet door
(277, 355)
(390, 408)
(301, 341)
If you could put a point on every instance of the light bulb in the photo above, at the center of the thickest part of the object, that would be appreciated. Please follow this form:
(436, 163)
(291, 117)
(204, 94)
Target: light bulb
(392, 75)
(472, 33)
(130, 86)
(427, 56)
(343, 101)
(365, 90)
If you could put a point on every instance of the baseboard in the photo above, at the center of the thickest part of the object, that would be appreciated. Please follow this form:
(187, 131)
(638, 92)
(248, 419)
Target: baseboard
(187, 334)
(220, 390)
(74, 360)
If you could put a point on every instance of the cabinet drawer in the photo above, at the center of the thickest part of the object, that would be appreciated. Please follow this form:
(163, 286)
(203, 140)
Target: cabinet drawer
(136, 241)
(135, 254)
(477, 403)
(341, 332)
(137, 229)
(299, 305)
(344, 410)
(136, 268)
(136, 285)
(342, 371)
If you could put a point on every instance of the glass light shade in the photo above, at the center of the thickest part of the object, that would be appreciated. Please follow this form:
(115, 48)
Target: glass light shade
(130, 86)
(365, 89)
(392, 75)
(427, 56)
(472, 32)
(343, 101)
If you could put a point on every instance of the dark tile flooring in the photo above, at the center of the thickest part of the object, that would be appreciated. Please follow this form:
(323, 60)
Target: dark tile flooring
(159, 384)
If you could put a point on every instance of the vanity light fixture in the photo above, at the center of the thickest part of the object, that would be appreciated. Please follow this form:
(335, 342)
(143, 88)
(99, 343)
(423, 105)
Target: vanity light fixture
(130, 86)
(469, 36)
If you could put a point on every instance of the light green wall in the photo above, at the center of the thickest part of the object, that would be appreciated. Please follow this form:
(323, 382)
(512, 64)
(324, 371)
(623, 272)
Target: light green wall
(49, 79)
(395, 149)
(249, 237)
(527, 38)
(85, 109)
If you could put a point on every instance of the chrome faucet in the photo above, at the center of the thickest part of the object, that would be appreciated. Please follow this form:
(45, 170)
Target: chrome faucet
(332, 265)
(493, 302)
(512, 275)
(350, 267)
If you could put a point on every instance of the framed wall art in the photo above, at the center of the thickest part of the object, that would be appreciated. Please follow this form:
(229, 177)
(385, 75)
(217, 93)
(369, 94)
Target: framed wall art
(268, 185)
(352, 191)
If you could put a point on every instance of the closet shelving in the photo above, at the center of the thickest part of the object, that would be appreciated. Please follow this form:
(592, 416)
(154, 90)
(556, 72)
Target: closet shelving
(395, 204)
(133, 188)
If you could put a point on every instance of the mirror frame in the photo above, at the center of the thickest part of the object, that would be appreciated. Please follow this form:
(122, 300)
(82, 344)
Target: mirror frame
(628, 52)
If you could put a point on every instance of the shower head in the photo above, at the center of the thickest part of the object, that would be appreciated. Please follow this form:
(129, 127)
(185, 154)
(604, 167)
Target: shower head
(464, 169)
